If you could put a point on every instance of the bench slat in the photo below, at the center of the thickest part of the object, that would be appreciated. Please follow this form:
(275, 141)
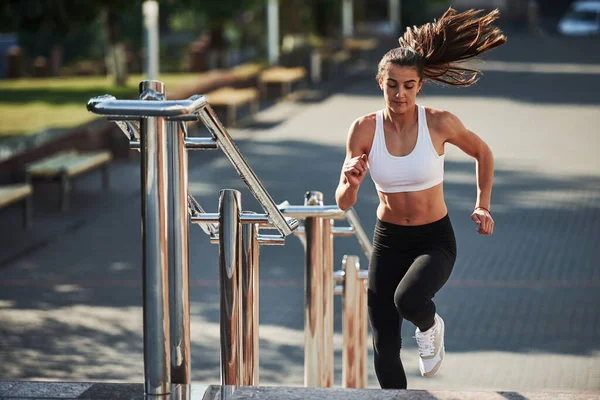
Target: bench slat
(247, 71)
(229, 96)
(280, 74)
(12, 193)
(72, 163)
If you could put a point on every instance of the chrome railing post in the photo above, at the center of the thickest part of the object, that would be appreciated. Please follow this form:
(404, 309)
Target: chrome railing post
(250, 257)
(230, 248)
(363, 329)
(351, 283)
(180, 323)
(145, 124)
(328, 286)
(313, 294)
(155, 263)
(350, 321)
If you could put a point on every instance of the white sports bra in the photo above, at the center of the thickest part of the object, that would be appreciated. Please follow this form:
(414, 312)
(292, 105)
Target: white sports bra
(422, 169)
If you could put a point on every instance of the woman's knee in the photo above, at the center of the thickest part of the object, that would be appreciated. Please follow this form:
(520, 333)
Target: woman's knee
(409, 302)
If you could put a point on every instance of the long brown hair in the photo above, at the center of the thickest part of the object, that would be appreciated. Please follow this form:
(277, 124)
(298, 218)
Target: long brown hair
(437, 48)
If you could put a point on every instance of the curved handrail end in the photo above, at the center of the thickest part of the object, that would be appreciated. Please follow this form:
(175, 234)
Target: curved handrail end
(94, 101)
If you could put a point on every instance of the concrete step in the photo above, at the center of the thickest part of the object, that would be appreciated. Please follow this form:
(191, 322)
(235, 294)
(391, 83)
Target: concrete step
(116, 391)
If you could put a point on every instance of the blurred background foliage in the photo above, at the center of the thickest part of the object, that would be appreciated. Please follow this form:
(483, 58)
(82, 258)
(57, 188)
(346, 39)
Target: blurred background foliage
(87, 29)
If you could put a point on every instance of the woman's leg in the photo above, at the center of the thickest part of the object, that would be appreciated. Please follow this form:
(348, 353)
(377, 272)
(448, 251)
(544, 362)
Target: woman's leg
(425, 277)
(386, 324)
(386, 269)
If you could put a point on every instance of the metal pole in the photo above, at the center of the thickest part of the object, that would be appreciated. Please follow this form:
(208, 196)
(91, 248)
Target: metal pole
(395, 10)
(154, 182)
(150, 11)
(230, 247)
(273, 31)
(362, 331)
(350, 322)
(250, 251)
(313, 294)
(347, 18)
(328, 286)
(180, 360)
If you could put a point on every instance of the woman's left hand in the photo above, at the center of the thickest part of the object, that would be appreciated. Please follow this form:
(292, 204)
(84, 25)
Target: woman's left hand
(484, 219)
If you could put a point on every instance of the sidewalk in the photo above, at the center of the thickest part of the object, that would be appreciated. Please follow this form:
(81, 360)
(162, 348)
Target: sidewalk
(521, 307)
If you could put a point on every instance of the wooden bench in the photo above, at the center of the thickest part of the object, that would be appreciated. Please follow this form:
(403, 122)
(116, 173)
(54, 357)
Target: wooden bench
(361, 47)
(246, 74)
(335, 62)
(65, 166)
(231, 99)
(282, 76)
(10, 194)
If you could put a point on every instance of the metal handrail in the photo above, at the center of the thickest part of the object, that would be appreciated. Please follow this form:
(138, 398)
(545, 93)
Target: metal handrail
(150, 121)
(351, 216)
(210, 120)
(169, 109)
(123, 111)
(359, 231)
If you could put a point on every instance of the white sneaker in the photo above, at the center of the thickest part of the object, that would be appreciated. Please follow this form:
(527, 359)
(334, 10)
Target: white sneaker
(431, 347)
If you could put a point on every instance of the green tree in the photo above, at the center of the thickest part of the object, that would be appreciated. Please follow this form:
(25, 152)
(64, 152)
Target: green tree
(56, 19)
(218, 14)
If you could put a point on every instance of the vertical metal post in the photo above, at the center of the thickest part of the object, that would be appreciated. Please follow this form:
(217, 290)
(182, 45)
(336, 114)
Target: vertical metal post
(362, 331)
(350, 322)
(395, 7)
(154, 182)
(347, 18)
(150, 11)
(328, 286)
(313, 294)
(273, 31)
(180, 360)
(230, 247)
(250, 251)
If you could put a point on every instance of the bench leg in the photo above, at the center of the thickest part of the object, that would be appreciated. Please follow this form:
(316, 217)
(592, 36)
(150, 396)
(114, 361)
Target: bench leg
(28, 212)
(28, 204)
(65, 191)
(231, 115)
(105, 177)
(254, 106)
(286, 89)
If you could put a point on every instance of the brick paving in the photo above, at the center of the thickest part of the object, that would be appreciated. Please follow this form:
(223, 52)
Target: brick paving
(521, 308)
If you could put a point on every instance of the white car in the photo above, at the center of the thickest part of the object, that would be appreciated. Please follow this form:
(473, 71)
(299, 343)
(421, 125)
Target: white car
(582, 19)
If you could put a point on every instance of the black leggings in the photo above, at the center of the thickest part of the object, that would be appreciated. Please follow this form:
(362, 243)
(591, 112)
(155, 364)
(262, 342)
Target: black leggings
(408, 266)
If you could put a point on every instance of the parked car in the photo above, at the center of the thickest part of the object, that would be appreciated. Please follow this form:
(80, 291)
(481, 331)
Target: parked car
(582, 19)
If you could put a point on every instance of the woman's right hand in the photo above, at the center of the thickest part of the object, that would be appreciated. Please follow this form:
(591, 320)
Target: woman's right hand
(355, 169)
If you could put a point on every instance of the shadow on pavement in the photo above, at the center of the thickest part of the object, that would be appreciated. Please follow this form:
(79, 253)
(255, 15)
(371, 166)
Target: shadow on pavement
(71, 294)
(528, 288)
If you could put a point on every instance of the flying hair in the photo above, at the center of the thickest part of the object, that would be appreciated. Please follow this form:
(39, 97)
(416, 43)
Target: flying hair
(439, 48)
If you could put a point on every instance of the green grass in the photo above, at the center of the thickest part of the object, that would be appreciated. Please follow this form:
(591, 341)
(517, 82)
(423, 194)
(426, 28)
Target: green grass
(28, 106)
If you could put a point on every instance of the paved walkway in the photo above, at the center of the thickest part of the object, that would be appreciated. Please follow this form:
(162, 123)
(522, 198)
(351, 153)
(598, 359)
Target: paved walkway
(521, 308)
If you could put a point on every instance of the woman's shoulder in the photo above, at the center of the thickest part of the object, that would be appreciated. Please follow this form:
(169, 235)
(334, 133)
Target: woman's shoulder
(437, 118)
(366, 122)
(364, 126)
(362, 132)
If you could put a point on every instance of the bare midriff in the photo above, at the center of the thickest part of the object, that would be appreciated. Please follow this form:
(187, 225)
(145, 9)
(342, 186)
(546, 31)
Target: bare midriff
(413, 208)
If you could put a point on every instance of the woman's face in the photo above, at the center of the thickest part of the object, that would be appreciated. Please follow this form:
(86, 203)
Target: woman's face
(400, 86)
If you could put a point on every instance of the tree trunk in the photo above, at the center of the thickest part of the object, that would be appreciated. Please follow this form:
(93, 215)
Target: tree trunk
(219, 47)
(320, 13)
(116, 59)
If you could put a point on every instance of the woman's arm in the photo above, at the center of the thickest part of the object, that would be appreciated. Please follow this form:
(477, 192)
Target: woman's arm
(355, 167)
(473, 145)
